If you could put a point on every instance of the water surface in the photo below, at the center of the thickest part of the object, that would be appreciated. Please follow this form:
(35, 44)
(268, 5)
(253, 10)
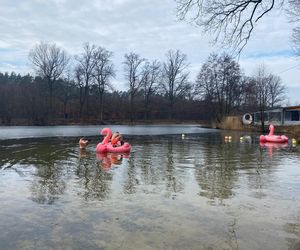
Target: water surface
(200, 192)
(18, 132)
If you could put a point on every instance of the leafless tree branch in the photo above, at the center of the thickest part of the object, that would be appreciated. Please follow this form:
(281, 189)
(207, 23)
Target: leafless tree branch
(232, 22)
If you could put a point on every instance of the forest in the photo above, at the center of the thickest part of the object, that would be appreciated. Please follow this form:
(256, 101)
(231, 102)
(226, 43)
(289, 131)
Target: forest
(78, 89)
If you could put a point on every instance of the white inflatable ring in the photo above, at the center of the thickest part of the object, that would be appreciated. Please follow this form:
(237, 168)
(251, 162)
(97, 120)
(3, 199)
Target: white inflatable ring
(247, 119)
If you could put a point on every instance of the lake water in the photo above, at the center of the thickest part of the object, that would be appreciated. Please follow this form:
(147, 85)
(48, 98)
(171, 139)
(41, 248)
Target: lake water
(199, 191)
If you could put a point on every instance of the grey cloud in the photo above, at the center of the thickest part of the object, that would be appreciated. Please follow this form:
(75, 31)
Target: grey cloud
(146, 27)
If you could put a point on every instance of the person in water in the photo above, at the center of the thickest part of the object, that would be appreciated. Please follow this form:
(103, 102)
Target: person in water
(83, 143)
(117, 139)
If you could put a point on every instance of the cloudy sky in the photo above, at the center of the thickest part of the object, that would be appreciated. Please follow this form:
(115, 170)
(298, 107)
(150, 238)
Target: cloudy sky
(147, 27)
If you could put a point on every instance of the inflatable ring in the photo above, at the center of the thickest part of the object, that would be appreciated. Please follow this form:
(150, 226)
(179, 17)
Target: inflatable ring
(247, 119)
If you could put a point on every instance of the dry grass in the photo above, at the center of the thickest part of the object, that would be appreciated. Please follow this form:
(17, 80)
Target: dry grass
(232, 123)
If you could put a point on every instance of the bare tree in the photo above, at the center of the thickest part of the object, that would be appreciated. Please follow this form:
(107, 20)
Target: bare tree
(262, 88)
(175, 78)
(248, 94)
(86, 65)
(134, 75)
(232, 21)
(269, 91)
(276, 90)
(152, 73)
(218, 83)
(262, 81)
(294, 16)
(79, 81)
(50, 62)
(296, 40)
(103, 72)
(66, 91)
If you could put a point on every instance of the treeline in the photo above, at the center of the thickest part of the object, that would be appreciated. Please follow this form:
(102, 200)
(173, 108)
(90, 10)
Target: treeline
(77, 89)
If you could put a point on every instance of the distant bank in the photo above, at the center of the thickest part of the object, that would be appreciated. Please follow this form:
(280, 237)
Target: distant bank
(58, 122)
(235, 123)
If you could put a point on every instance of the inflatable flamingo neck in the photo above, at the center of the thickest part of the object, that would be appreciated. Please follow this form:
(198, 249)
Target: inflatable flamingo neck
(271, 128)
(108, 133)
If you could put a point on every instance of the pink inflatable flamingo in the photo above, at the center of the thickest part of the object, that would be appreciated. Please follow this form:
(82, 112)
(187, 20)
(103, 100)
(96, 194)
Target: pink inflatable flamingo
(105, 146)
(273, 138)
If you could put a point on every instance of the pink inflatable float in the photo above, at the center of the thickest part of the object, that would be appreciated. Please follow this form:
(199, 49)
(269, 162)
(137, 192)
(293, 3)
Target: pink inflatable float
(106, 147)
(273, 138)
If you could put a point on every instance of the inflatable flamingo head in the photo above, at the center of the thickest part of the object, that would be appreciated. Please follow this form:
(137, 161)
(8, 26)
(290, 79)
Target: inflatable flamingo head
(108, 133)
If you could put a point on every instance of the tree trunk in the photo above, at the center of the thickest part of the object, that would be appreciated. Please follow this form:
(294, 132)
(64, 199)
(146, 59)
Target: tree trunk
(101, 101)
(131, 108)
(171, 110)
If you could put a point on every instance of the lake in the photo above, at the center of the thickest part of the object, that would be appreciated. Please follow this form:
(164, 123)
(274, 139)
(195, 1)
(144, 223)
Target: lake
(200, 191)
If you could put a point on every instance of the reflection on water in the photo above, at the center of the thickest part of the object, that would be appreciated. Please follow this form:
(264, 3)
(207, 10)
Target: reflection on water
(196, 192)
(108, 160)
(273, 146)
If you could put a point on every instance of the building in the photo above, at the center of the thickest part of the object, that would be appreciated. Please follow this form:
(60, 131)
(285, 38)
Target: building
(279, 116)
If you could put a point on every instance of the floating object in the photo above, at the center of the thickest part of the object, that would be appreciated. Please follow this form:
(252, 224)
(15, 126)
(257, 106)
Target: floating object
(245, 138)
(228, 138)
(247, 119)
(273, 138)
(106, 146)
(182, 136)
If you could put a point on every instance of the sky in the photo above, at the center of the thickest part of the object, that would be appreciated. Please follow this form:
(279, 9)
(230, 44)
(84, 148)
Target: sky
(147, 27)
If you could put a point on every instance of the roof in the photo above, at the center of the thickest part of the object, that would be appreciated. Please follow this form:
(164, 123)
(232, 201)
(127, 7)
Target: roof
(290, 108)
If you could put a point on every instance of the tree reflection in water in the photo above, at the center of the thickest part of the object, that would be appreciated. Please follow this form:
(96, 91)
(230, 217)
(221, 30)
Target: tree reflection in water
(159, 165)
(217, 175)
(92, 183)
(48, 159)
(222, 164)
